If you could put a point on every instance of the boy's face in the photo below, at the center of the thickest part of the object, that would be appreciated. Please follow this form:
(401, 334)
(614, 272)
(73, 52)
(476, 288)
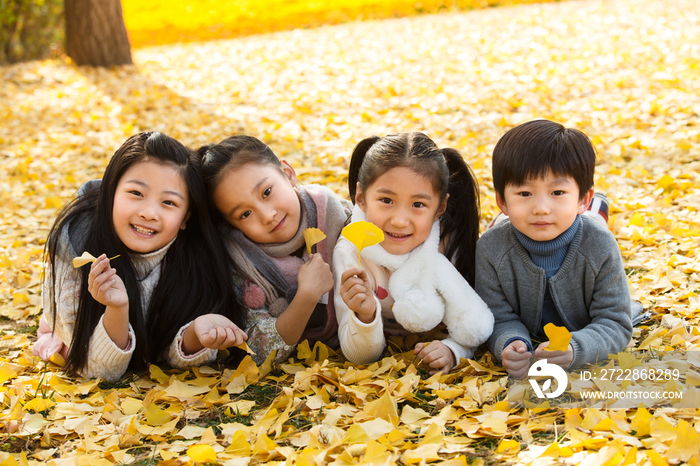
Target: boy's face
(544, 208)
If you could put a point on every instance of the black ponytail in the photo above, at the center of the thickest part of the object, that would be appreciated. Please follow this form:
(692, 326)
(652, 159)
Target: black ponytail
(358, 156)
(460, 222)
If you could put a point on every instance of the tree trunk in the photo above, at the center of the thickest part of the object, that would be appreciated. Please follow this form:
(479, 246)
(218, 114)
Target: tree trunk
(95, 33)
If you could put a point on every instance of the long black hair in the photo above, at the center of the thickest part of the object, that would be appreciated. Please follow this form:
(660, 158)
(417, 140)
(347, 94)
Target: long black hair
(449, 173)
(195, 276)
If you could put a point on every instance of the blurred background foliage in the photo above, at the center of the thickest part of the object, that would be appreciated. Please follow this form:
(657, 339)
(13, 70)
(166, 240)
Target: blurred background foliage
(34, 29)
(30, 29)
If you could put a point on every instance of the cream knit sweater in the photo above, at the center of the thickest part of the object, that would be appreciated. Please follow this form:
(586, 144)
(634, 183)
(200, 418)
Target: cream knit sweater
(105, 359)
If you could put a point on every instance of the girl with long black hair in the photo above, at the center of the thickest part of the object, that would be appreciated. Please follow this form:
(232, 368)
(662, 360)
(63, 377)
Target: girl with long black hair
(159, 287)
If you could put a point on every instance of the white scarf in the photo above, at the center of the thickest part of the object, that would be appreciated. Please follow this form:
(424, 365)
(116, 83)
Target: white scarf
(427, 290)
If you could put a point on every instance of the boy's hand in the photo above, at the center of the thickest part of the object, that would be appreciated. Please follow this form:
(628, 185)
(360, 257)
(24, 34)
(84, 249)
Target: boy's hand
(105, 285)
(560, 358)
(217, 332)
(516, 359)
(436, 355)
(315, 277)
(357, 294)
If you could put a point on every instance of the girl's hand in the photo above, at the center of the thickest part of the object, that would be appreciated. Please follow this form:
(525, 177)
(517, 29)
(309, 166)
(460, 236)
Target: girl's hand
(357, 294)
(217, 332)
(436, 355)
(105, 285)
(560, 358)
(516, 359)
(315, 277)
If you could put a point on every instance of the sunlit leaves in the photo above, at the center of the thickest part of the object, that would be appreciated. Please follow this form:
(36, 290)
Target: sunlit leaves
(311, 95)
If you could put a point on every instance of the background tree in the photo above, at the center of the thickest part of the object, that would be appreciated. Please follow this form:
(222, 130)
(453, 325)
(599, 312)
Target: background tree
(95, 33)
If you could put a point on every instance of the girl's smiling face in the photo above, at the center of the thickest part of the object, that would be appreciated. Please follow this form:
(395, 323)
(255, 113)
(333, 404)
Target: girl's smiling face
(150, 205)
(404, 205)
(260, 200)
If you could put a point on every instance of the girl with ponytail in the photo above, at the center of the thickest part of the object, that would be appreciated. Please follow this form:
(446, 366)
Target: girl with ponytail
(263, 214)
(419, 278)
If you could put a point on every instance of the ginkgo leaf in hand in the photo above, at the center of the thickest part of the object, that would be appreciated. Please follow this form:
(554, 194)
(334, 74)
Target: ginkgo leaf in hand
(244, 346)
(86, 258)
(362, 234)
(559, 337)
(313, 236)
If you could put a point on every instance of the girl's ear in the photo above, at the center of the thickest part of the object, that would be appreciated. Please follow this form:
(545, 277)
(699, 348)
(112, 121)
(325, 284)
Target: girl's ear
(501, 204)
(443, 207)
(585, 201)
(184, 220)
(289, 172)
(360, 198)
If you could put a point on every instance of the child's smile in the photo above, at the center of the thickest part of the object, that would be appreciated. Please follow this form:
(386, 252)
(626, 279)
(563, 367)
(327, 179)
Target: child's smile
(404, 205)
(150, 206)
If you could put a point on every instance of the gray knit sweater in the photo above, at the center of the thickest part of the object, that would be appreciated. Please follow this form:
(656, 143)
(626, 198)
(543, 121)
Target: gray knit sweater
(590, 290)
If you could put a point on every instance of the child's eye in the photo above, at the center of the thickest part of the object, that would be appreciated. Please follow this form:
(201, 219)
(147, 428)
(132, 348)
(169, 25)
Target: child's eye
(418, 204)
(245, 215)
(524, 194)
(135, 193)
(170, 203)
(558, 192)
(385, 200)
(267, 192)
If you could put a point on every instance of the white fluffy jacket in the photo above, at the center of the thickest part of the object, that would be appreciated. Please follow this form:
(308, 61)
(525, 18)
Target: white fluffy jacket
(427, 290)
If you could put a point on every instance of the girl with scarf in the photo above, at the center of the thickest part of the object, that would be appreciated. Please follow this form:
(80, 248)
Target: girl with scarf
(265, 212)
(418, 278)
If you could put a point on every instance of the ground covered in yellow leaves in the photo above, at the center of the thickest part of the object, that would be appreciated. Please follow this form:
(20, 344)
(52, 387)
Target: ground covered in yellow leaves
(626, 73)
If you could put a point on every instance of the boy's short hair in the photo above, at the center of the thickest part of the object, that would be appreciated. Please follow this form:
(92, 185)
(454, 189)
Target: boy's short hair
(533, 149)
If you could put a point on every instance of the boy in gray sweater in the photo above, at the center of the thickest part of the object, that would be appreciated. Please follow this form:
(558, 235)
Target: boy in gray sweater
(548, 262)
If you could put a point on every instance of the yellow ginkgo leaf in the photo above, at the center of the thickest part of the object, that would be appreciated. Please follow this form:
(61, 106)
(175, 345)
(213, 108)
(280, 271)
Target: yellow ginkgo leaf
(201, 454)
(39, 404)
(86, 258)
(362, 234)
(313, 236)
(559, 337)
(244, 346)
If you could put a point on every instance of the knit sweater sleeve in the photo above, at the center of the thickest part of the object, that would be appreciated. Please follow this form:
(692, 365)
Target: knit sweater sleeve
(177, 358)
(492, 289)
(361, 343)
(610, 329)
(104, 359)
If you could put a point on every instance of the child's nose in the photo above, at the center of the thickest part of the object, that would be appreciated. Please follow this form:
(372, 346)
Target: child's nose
(541, 207)
(148, 211)
(399, 219)
(268, 215)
